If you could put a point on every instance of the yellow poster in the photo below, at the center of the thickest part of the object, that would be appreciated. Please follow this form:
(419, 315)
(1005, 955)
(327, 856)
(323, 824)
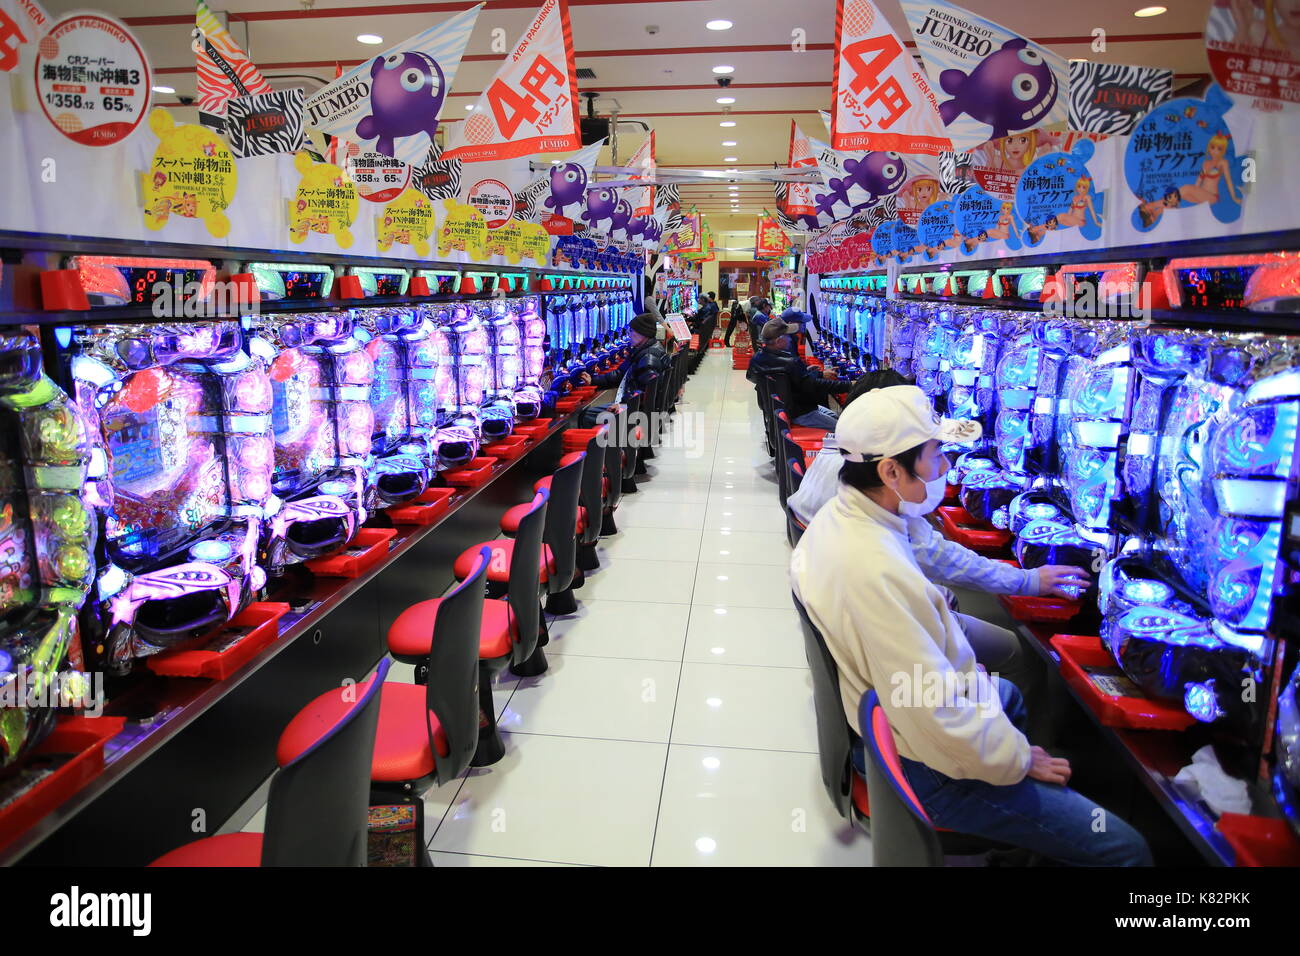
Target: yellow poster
(463, 230)
(191, 175)
(534, 242)
(407, 221)
(506, 241)
(325, 202)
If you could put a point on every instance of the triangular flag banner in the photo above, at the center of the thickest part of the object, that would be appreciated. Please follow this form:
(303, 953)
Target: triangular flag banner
(797, 202)
(770, 240)
(224, 71)
(642, 198)
(990, 80)
(22, 24)
(882, 101)
(333, 156)
(531, 105)
(390, 105)
(556, 198)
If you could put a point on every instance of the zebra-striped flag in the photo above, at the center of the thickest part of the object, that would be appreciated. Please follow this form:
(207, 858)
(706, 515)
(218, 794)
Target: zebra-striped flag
(224, 70)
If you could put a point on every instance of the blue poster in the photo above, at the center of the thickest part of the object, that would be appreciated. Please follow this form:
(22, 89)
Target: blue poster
(905, 242)
(882, 240)
(979, 217)
(1182, 155)
(1057, 192)
(936, 231)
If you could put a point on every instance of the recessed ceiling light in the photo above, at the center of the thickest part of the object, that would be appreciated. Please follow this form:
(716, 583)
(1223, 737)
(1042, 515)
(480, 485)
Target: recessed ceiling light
(721, 70)
(1150, 11)
(718, 25)
(725, 100)
(728, 142)
(727, 123)
(163, 89)
(470, 106)
(370, 39)
(729, 159)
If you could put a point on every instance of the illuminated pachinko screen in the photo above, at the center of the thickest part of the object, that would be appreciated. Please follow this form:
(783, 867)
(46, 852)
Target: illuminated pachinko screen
(305, 445)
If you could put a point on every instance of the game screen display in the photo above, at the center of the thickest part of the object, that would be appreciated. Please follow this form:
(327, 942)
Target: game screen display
(1214, 287)
(165, 459)
(305, 444)
(471, 366)
(304, 285)
(1091, 396)
(534, 345)
(506, 365)
(388, 393)
(435, 372)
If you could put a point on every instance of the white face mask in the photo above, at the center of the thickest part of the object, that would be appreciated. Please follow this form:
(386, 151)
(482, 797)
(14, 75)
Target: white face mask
(934, 492)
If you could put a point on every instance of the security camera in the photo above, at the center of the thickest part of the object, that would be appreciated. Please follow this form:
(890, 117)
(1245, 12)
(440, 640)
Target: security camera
(724, 81)
(652, 29)
(186, 100)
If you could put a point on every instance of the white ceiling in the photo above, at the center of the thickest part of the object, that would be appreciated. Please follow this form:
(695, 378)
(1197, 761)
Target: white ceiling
(664, 79)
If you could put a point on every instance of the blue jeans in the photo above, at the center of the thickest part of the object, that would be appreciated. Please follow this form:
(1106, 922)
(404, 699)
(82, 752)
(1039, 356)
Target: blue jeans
(1048, 819)
(818, 418)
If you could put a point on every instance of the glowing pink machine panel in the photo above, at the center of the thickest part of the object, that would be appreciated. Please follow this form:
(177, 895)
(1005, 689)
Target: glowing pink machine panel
(504, 368)
(460, 377)
(532, 353)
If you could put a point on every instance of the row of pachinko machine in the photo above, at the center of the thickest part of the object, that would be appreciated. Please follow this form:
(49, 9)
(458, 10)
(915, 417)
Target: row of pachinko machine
(157, 473)
(1134, 425)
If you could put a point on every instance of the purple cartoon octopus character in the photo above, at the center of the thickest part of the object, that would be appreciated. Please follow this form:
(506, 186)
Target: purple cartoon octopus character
(568, 184)
(1010, 90)
(601, 204)
(406, 93)
(637, 226)
(621, 218)
(878, 174)
(654, 230)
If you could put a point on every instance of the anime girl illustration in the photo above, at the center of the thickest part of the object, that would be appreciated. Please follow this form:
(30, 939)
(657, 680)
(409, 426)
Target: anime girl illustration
(1017, 151)
(1153, 209)
(1005, 227)
(1081, 207)
(1215, 167)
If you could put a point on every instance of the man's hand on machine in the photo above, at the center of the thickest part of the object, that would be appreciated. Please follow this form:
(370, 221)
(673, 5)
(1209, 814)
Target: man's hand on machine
(1043, 766)
(584, 378)
(1061, 580)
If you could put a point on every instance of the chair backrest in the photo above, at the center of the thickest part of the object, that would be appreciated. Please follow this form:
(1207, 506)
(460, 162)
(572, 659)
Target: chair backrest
(561, 517)
(523, 590)
(452, 688)
(794, 477)
(901, 831)
(763, 385)
(593, 468)
(635, 402)
(617, 425)
(316, 811)
(834, 745)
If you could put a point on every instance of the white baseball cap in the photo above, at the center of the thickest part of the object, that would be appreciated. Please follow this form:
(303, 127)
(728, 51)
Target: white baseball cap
(885, 422)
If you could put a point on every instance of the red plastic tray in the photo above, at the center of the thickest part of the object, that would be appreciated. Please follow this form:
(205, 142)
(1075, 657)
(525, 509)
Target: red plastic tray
(1039, 609)
(472, 474)
(1260, 841)
(584, 392)
(363, 552)
(84, 738)
(424, 510)
(567, 404)
(507, 449)
(959, 526)
(952, 493)
(215, 662)
(576, 439)
(534, 429)
(1080, 651)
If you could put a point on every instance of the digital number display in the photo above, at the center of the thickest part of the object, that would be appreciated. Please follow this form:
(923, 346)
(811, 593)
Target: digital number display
(1214, 287)
(303, 285)
(387, 283)
(144, 283)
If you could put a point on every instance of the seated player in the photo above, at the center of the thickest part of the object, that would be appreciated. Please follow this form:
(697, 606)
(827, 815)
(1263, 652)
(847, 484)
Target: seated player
(644, 363)
(807, 390)
(889, 628)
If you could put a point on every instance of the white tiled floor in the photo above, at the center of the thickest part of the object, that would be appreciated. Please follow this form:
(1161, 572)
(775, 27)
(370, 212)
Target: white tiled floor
(675, 725)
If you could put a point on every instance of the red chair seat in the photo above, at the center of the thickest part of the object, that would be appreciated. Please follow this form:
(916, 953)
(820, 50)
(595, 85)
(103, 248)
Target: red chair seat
(412, 632)
(503, 550)
(510, 520)
(801, 433)
(541, 483)
(228, 849)
(401, 740)
(571, 457)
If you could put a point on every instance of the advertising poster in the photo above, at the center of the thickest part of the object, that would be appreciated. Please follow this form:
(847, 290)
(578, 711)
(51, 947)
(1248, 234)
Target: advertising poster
(437, 178)
(531, 105)
(1109, 98)
(92, 79)
(378, 178)
(979, 217)
(463, 231)
(494, 200)
(1184, 154)
(265, 123)
(390, 104)
(1058, 192)
(406, 221)
(881, 100)
(191, 176)
(325, 202)
(770, 240)
(558, 198)
(990, 81)
(1254, 51)
(935, 230)
(223, 70)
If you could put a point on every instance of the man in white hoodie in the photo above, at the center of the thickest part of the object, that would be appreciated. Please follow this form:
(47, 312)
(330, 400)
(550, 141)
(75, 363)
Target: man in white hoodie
(958, 730)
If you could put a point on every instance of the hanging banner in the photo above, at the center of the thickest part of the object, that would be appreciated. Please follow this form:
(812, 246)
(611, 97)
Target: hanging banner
(979, 217)
(686, 238)
(391, 104)
(378, 178)
(265, 124)
(601, 205)
(22, 24)
(531, 105)
(642, 198)
(999, 82)
(1059, 192)
(557, 198)
(935, 230)
(438, 179)
(1109, 98)
(92, 79)
(1254, 51)
(406, 221)
(324, 202)
(1183, 154)
(770, 240)
(881, 100)
(798, 205)
(859, 180)
(191, 176)
(224, 70)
